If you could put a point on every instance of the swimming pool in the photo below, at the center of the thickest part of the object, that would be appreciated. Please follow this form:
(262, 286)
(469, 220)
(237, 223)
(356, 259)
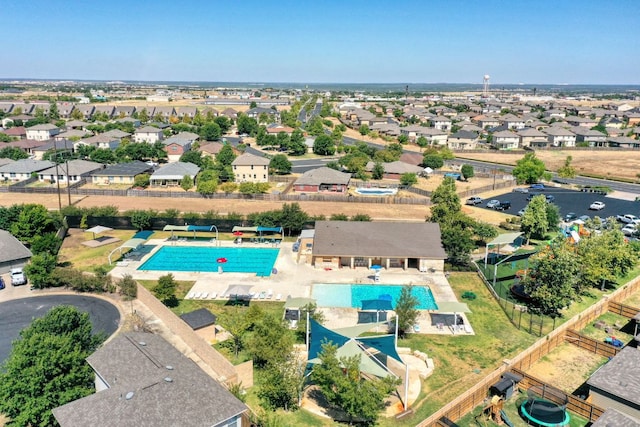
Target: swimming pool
(377, 191)
(198, 258)
(334, 295)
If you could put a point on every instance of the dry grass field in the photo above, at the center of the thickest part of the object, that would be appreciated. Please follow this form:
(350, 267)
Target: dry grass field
(615, 164)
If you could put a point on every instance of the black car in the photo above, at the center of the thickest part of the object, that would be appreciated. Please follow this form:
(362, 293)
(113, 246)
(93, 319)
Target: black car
(1, 283)
(503, 206)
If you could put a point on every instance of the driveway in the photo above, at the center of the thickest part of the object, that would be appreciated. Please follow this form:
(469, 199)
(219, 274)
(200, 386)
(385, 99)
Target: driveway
(17, 314)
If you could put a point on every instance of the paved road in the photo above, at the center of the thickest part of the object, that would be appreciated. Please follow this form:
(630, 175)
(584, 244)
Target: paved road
(17, 314)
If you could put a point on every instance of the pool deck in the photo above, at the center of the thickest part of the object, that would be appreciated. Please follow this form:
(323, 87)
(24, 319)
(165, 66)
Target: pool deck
(297, 280)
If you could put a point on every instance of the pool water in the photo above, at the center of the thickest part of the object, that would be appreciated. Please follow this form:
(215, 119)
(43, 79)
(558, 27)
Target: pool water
(377, 191)
(195, 258)
(334, 295)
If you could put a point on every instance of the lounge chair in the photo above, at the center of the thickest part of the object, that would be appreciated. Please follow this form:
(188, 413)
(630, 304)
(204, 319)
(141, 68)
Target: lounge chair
(269, 294)
(262, 295)
(189, 295)
(197, 295)
(213, 295)
(278, 297)
(205, 295)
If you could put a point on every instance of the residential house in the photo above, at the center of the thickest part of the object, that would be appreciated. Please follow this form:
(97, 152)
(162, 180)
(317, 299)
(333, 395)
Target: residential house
(117, 134)
(134, 122)
(42, 132)
(322, 180)
(531, 137)
(121, 173)
(77, 124)
(69, 172)
(512, 122)
(487, 121)
(23, 169)
(179, 144)
(560, 137)
(440, 123)
(26, 145)
(164, 112)
(187, 112)
(13, 254)
(171, 174)
(251, 168)
(505, 140)
(433, 136)
(143, 380)
(392, 245)
(19, 132)
(58, 147)
(122, 111)
(256, 112)
(614, 418)
(71, 134)
(555, 113)
(592, 137)
(229, 112)
(211, 149)
(23, 108)
(150, 110)
(411, 131)
(148, 134)
(104, 109)
(87, 110)
(623, 142)
(616, 384)
(274, 129)
(463, 140)
(586, 122)
(102, 141)
(394, 170)
(633, 119)
(6, 107)
(65, 109)
(389, 129)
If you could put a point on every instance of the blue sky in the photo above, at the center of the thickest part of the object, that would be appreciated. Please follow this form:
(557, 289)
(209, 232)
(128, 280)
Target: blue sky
(359, 41)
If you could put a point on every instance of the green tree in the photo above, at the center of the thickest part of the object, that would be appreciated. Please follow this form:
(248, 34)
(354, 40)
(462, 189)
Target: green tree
(378, 171)
(211, 132)
(467, 172)
(143, 180)
(293, 218)
(364, 130)
(534, 222)
(45, 243)
(270, 341)
(192, 156)
(408, 179)
(247, 125)
(432, 161)
(605, 256)
(281, 384)
(13, 153)
(128, 287)
(165, 290)
(141, 219)
(403, 139)
(324, 146)
(567, 171)
(32, 221)
(529, 169)
(207, 187)
(553, 279)
(186, 183)
(224, 122)
(280, 164)
(39, 269)
(422, 141)
(53, 112)
(47, 367)
(343, 386)
(361, 217)
(406, 310)
(247, 187)
(226, 155)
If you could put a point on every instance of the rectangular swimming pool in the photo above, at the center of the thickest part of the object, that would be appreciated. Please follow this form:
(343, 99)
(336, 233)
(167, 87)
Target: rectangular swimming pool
(208, 259)
(339, 295)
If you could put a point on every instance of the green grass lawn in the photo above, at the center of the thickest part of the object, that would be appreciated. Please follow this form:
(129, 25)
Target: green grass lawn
(624, 334)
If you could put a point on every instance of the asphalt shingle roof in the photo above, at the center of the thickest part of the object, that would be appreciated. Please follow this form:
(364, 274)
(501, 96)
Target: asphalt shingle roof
(11, 249)
(323, 175)
(620, 376)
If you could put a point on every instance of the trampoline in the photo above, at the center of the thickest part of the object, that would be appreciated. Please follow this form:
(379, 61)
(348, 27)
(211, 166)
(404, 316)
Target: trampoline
(544, 413)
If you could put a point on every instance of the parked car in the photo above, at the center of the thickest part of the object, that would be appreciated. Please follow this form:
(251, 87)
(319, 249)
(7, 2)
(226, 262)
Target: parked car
(539, 187)
(521, 211)
(493, 203)
(503, 206)
(475, 200)
(1, 283)
(549, 198)
(18, 277)
(584, 218)
(629, 229)
(570, 216)
(628, 219)
(520, 190)
(597, 206)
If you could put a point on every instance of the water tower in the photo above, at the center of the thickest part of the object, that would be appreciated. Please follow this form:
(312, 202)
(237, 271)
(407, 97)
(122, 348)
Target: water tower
(485, 86)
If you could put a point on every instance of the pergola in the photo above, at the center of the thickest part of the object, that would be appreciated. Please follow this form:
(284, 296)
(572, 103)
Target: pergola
(129, 244)
(97, 230)
(501, 240)
(194, 228)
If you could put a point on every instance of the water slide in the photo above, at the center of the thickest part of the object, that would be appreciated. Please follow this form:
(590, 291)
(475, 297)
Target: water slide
(506, 419)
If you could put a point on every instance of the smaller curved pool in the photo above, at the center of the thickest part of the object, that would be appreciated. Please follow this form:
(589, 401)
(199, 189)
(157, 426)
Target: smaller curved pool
(377, 191)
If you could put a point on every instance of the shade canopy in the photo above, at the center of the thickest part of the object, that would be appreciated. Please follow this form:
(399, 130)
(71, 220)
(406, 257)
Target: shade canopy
(298, 302)
(504, 239)
(98, 229)
(452, 307)
(376, 304)
(238, 289)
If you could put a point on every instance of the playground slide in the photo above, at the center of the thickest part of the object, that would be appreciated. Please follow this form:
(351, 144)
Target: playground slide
(506, 419)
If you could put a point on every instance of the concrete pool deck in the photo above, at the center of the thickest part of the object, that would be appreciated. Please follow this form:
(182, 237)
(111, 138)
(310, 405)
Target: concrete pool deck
(297, 280)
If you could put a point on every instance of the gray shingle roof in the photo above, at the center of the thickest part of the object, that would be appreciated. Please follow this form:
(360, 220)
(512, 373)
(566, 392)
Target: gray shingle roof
(383, 239)
(198, 319)
(464, 134)
(76, 167)
(45, 126)
(168, 389)
(397, 167)
(148, 129)
(26, 166)
(323, 175)
(124, 169)
(620, 376)
(248, 159)
(176, 170)
(614, 418)
(11, 249)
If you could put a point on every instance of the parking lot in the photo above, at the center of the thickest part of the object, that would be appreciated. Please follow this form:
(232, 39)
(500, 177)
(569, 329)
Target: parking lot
(570, 201)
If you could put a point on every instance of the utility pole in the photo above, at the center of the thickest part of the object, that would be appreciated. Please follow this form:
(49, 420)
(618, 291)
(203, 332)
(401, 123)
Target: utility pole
(55, 159)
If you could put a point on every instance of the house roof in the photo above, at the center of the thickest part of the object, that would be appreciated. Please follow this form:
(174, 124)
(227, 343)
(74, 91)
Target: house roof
(199, 319)
(612, 417)
(382, 239)
(75, 167)
(397, 167)
(124, 169)
(5, 161)
(323, 175)
(248, 159)
(26, 166)
(211, 148)
(620, 376)
(558, 131)
(464, 134)
(530, 132)
(117, 133)
(72, 133)
(505, 134)
(148, 129)
(150, 383)
(61, 144)
(16, 131)
(176, 171)
(44, 126)
(11, 249)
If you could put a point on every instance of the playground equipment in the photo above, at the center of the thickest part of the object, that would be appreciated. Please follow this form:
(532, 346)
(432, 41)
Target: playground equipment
(493, 411)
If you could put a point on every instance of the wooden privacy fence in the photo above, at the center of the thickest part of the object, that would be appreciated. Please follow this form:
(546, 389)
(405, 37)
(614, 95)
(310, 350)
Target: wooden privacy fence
(623, 310)
(548, 392)
(591, 345)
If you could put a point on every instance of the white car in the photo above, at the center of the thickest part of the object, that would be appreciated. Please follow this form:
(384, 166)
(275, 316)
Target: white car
(493, 204)
(629, 229)
(597, 206)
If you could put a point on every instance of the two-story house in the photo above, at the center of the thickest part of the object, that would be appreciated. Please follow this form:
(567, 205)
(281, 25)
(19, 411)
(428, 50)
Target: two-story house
(505, 140)
(463, 140)
(251, 168)
(148, 134)
(179, 144)
(531, 137)
(42, 132)
(560, 137)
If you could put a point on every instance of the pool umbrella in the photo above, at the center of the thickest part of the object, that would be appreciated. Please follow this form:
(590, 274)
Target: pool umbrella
(376, 267)
(97, 230)
(237, 233)
(221, 260)
(385, 297)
